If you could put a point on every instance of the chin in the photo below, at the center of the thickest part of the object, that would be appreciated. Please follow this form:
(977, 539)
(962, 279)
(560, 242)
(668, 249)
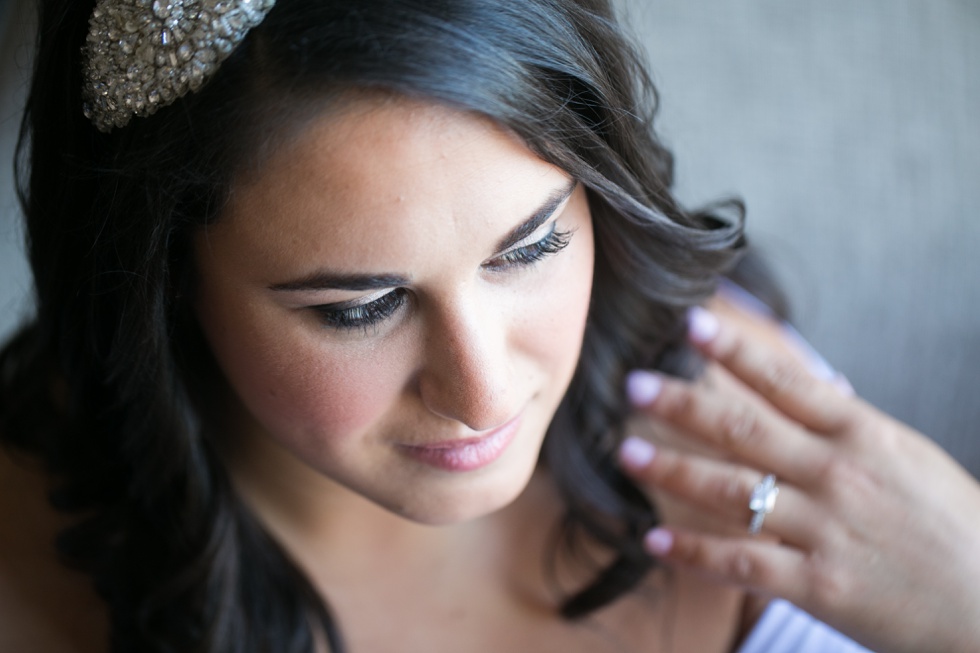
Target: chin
(459, 504)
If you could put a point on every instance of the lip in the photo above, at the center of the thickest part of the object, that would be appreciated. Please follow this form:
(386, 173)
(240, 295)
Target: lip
(467, 454)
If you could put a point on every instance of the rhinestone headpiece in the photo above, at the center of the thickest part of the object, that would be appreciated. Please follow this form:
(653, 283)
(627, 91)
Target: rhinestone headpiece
(142, 55)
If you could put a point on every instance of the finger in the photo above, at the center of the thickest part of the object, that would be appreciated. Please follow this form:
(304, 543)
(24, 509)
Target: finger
(718, 487)
(782, 379)
(758, 565)
(756, 434)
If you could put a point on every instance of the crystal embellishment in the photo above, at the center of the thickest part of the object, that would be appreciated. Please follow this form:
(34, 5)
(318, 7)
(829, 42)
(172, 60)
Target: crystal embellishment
(141, 55)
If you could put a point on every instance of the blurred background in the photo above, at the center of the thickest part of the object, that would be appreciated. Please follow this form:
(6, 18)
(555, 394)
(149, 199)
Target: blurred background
(852, 132)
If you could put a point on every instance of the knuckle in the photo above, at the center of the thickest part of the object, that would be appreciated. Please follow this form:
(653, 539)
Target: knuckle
(730, 490)
(731, 349)
(693, 551)
(739, 427)
(782, 377)
(670, 470)
(871, 432)
(847, 479)
(676, 404)
(741, 567)
(828, 584)
(686, 550)
(845, 423)
(838, 471)
(735, 564)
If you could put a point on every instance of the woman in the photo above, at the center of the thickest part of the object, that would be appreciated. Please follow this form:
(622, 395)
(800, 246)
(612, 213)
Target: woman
(336, 306)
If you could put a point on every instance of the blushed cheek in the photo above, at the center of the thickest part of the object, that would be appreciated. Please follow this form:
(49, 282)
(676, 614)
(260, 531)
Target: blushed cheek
(319, 403)
(305, 394)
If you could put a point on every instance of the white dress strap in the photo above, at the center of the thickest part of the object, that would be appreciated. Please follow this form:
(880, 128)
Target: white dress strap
(784, 628)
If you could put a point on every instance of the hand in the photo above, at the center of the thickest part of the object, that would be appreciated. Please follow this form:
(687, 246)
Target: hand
(875, 530)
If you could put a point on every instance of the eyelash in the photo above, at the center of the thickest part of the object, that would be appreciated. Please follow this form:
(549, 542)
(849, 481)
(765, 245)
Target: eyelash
(364, 316)
(530, 254)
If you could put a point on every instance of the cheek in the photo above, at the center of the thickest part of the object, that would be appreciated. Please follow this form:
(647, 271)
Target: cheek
(302, 391)
(312, 396)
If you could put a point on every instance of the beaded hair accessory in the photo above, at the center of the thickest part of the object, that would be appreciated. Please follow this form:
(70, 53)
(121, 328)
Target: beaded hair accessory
(142, 55)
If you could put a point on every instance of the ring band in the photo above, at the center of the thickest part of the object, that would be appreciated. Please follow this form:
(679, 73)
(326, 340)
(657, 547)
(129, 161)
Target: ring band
(762, 501)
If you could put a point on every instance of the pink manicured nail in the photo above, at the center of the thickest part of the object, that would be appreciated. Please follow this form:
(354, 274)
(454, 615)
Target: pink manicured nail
(702, 324)
(636, 453)
(659, 541)
(643, 387)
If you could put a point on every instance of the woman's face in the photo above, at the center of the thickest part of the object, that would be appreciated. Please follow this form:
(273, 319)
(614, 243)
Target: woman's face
(398, 300)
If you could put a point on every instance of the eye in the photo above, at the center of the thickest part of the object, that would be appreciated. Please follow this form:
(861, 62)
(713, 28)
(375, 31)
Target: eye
(345, 317)
(553, 242)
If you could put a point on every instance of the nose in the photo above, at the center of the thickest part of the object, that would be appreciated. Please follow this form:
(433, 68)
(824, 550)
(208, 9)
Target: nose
(466, 373)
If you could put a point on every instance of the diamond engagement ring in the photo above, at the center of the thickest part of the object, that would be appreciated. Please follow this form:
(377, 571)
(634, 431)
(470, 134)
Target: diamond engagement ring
(762, 501)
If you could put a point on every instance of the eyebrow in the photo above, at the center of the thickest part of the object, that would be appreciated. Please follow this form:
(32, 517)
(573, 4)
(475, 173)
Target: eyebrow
(327, 280)
(324, 280)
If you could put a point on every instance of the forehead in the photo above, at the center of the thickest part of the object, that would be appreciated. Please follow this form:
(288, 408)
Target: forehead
(382, 173)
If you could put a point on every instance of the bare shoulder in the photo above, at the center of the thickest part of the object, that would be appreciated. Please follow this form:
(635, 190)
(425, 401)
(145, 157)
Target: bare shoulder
(44, 606)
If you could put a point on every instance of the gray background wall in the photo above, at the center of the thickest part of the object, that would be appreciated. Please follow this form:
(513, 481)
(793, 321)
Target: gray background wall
(850, 129)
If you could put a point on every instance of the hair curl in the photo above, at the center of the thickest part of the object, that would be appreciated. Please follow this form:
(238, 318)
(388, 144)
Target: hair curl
(107, 382)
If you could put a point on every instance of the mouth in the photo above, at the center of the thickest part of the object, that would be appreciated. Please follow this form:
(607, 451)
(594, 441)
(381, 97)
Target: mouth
(467, 454)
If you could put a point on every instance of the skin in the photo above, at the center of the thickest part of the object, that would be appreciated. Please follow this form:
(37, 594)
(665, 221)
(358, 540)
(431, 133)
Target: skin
(424, 193)
(321, 417)
(873, 522)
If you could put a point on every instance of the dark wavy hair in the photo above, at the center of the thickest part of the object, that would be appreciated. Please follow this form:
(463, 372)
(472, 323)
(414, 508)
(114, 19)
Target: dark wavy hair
(108, 382)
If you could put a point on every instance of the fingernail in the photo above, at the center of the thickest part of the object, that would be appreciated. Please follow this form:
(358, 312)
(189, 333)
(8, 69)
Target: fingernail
(702, 324)
(659, 541)
(636, 453)
(642, 387)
